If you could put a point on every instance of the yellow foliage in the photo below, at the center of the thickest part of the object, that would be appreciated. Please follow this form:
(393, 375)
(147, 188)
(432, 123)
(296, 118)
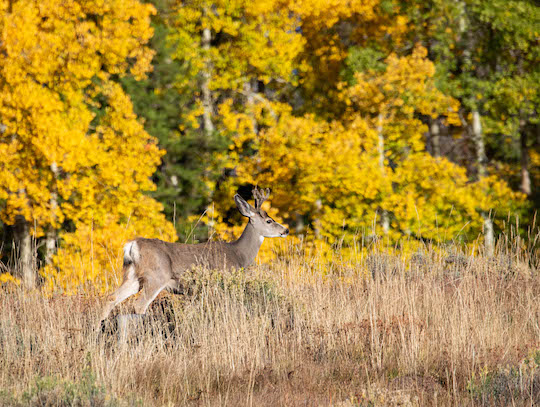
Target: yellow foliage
(322, 24)
(7, 279)
(336, 173)
(491, 194)
(432, 198)
(265, 26)
(72, 150)
(405, 87)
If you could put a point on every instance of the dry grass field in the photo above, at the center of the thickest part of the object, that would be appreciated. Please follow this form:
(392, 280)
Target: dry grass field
(439, 328)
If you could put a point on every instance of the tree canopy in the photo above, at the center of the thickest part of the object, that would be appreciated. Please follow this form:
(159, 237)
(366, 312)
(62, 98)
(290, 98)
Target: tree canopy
(409, 120)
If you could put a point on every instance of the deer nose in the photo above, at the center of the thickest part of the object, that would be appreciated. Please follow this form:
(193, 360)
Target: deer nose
(285, 233)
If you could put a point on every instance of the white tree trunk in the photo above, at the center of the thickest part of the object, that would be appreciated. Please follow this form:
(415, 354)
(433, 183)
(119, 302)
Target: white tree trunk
(435, 133)
(299, 220)
(50, 244)
(489, 237)
(477, 133)
(25, 264)
(50, 239)
(317, 220)
(205, 85)
(525, 175)
(478, 139)
(385, 221)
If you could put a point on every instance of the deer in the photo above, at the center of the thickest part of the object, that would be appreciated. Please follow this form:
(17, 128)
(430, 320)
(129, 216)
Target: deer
(152, 265)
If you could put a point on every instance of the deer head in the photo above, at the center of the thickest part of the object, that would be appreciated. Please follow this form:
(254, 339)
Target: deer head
(259, 219)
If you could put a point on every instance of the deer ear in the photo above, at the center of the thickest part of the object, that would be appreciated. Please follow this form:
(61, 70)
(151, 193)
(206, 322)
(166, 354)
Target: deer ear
(244, 208)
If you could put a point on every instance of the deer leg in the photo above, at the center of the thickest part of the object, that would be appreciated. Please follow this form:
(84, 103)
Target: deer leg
(129, 286)
(149, 292)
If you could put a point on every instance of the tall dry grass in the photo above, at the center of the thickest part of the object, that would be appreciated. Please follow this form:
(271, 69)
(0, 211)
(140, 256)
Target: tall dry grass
(433, 329)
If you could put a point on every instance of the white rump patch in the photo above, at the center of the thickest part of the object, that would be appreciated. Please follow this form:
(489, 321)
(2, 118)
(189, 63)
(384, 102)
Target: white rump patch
(131, 272)
(131, 252)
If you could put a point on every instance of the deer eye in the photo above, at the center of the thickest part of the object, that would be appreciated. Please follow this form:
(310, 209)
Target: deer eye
(269, 221)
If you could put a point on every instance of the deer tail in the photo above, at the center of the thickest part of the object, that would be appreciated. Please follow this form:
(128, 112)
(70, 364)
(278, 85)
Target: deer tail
(132, 254)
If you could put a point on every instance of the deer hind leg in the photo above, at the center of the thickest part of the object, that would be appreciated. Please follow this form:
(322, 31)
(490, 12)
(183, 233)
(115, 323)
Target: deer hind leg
(151, 288)
(129, 286)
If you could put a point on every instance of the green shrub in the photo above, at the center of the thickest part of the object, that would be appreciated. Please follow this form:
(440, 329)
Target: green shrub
(52, 391)
(508, 385)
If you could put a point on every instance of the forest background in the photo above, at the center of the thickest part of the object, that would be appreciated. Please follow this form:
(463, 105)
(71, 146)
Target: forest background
(401, 122)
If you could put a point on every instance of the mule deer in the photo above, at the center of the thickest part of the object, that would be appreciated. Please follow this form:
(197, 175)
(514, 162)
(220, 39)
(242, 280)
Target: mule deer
(152, 265)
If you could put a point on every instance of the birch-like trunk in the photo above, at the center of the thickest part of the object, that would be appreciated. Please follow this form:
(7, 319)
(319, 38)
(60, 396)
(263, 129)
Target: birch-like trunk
(317, 219)
(50, 238)
(385, 221)
(23, 239)
(299, 221)
(477, 132)
(525, 175)
(478, 139)
(50, 244)
(435, 134)
(205, 84)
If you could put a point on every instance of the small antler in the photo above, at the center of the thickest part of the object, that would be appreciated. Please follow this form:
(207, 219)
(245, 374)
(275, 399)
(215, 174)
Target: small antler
(260, 195)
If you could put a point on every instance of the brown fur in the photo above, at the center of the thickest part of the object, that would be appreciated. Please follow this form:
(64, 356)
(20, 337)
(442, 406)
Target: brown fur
(152, 265)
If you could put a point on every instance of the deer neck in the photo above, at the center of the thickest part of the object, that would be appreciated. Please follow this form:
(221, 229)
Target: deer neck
(248, 245)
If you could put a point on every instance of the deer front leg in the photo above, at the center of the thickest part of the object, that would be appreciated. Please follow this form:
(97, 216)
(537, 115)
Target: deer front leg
(129, 287)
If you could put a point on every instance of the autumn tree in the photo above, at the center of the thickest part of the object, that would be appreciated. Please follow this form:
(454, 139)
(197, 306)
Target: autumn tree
(369, 170)
(232, 50)
(234, 57)
(333, 30)
(486, 53)
(181, 178)
(74, 157)
(236, 52)
(349, 147)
